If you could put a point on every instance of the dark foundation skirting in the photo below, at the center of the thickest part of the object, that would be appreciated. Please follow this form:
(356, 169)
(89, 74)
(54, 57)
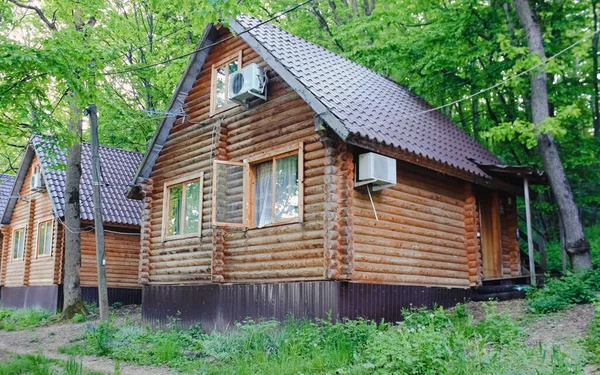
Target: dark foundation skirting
(47, 297)
(218, 307)
(125, 296)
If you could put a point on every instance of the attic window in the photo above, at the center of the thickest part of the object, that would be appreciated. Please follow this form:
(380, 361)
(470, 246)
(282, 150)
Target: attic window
(219, 100)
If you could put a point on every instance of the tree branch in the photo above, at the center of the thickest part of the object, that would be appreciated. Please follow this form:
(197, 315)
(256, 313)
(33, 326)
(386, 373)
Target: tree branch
(51, 24)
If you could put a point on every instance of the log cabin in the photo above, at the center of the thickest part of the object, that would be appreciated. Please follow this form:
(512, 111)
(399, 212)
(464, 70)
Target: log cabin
(33, 228)
(6, 184)
(294, 181)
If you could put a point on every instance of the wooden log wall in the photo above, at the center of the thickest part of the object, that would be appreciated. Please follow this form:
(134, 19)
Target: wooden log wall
(29, 211)
(472, 240)
(420, 235)
(146, 232)
(286, 252)
(122, 253)
(511, 262)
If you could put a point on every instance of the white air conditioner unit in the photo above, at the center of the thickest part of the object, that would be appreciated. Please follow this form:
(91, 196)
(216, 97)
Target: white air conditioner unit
(37, 182)
(248, 82)
(377, 170)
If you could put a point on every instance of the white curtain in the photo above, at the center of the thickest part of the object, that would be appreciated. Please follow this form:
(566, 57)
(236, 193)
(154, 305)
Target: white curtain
(286, 188)
(264, 194)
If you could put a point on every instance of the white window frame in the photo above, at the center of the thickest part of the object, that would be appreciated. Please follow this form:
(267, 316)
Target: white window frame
(12, 243)
(213, 83)
(37, 241)
(168, 185)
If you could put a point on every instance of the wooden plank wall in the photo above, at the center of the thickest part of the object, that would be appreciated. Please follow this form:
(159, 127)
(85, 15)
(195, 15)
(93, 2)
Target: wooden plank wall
(420, 235)
(28, 212)
(511, 262)
(286, 252)
(122, 259)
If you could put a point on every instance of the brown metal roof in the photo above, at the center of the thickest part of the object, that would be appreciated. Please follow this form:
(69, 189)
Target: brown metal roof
(117, 170)
(369, 105)
(6, 184)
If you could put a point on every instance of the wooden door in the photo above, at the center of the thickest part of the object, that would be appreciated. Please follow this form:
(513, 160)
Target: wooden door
(491, 245)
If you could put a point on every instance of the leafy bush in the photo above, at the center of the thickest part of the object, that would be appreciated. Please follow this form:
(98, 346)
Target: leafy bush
(593, 338)
(558, 294)
(78, 318)
(17, 319)
(434, 341)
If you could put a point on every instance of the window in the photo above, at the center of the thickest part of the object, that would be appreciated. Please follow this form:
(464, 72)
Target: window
(219, 100)
(182, 211)
(265, 189)
(44, 238)
(275, 194)
(18, 243)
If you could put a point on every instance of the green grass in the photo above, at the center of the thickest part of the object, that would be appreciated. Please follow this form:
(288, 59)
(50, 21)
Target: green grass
(41, 365)
(18, 319)
(438, 341)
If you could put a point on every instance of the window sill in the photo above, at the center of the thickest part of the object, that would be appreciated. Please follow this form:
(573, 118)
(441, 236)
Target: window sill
(182, 237)
(43, 256)
(278, 224)
(223, 109)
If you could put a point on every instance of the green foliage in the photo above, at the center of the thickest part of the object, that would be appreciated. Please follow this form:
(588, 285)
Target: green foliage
(78, 318)
(561, 293)
(432, 342)
(593, 338)
(554, 252)
(17, 319)
(41, 365)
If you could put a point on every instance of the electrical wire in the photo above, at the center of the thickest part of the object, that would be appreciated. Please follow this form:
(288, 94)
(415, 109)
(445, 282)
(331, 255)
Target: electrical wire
(282, 13)
(504, 80)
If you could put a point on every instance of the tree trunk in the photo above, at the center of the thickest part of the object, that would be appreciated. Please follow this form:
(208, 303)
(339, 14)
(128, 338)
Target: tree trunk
(576, 245)
(596, 94)
(73, 302)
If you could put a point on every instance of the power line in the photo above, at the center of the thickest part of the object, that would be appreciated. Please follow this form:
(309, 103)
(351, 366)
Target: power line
(124, 54)
(504, 80)
(209, 46)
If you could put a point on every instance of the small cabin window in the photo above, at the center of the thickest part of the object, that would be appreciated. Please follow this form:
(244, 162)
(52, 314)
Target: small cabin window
(18, 244)
(183, 208)
(275, 193)
(263, 190)
(44, 238)
(219, 98)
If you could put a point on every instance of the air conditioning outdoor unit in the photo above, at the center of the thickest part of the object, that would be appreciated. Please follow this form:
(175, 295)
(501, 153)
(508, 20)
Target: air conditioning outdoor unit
(37, 182)
(377, 170)
(248, 82)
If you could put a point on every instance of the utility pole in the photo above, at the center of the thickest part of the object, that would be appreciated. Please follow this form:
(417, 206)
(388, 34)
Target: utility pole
(98, 220)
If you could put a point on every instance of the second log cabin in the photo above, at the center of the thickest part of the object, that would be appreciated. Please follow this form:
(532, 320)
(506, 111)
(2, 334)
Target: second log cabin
(33, 228)
(253, 204)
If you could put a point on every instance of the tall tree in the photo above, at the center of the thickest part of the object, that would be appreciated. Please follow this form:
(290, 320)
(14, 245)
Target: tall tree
(576, 245)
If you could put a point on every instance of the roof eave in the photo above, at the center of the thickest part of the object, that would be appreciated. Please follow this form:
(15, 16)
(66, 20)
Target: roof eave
(322, 111)
(18, 184)
(177, 100)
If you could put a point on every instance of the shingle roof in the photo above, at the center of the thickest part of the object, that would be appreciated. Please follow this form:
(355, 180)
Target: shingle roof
(369, 105)
(6, 184)
(118, 168)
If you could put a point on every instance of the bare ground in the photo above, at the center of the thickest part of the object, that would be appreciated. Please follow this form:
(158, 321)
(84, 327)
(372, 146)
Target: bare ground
(565, 329)
(47, 340)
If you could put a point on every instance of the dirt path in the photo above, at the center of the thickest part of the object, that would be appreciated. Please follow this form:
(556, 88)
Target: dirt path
(47, 340)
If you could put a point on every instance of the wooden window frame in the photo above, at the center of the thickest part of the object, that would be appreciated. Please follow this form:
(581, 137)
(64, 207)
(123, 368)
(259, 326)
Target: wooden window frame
(213, 80)
(245, 185)
(37, 242)
(168, 185)
(250, 185)
(12, 243)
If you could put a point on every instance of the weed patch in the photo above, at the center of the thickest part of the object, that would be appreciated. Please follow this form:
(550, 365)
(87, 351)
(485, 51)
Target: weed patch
(560, 293)
(17, 319)
(40, 365)
(434, 341)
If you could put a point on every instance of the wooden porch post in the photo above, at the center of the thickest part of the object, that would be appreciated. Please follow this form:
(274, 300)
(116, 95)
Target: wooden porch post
(529, 234)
